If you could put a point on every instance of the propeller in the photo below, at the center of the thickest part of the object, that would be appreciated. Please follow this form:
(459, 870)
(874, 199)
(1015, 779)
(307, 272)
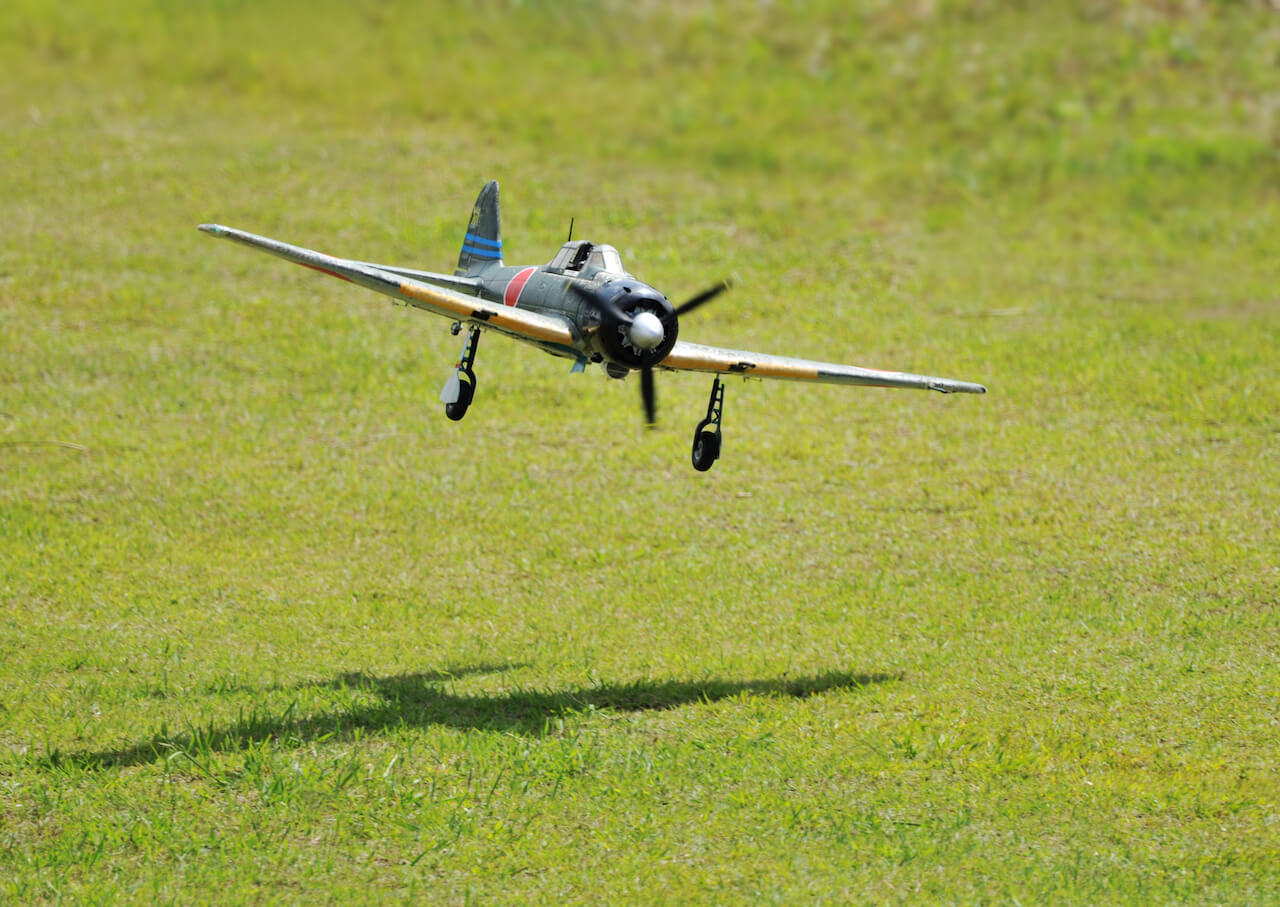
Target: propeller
(646, 331)
(648, 392)
(648, 395)
(702, 298)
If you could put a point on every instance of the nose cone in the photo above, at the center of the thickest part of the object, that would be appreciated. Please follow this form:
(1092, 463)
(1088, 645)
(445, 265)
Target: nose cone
(646, 331)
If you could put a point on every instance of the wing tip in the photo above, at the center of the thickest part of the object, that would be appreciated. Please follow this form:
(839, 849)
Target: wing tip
(951, 386)
(213, 229)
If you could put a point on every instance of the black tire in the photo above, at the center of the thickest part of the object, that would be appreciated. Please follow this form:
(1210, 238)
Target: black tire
(466, 393)
(706, 448)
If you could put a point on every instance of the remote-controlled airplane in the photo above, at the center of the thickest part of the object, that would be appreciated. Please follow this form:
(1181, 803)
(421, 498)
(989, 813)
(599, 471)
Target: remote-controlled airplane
(583, 306)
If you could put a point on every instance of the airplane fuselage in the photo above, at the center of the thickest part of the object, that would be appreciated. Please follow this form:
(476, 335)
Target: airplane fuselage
(602, 306)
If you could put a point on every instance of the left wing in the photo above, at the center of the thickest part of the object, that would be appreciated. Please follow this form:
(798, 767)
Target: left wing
(521, 324)
(694, 357)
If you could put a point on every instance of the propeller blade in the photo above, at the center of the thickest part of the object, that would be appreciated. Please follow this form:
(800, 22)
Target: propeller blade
(606, 305)
(702, 298)
(649, 395)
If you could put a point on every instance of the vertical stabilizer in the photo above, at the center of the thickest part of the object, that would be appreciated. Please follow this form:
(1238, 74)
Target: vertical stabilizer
(482, 244)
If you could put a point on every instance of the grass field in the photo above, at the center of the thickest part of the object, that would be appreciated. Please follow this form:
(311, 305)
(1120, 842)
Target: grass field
(273, 629)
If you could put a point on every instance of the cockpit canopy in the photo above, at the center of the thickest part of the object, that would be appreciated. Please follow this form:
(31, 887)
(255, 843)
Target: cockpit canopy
(582, 255)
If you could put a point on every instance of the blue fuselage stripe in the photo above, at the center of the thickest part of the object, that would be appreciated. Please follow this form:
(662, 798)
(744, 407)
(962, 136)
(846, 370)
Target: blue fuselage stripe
(481, 241)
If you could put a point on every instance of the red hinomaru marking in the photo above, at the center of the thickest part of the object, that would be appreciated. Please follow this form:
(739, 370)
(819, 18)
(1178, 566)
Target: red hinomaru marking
(516, 287)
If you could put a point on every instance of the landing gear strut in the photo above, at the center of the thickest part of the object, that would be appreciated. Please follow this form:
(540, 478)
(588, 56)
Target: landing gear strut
(706, 437)
(461, 386)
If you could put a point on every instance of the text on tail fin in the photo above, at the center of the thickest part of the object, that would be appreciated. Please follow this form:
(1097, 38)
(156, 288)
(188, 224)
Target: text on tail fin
(482, 244)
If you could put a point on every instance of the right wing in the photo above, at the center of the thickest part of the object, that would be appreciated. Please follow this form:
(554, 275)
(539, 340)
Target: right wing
(695, 357)
(520, 324)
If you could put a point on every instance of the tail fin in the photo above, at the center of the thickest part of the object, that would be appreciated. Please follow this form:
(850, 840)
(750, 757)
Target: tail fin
(483, 243)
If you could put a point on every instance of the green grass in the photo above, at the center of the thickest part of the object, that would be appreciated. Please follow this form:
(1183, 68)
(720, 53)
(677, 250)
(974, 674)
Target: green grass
(271, 628)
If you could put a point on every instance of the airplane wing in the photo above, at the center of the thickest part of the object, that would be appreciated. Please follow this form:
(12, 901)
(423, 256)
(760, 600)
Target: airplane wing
(694, 357)
(518, 323)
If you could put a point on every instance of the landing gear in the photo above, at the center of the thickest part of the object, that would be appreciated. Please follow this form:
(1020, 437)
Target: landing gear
(706, 437)
(461, 386)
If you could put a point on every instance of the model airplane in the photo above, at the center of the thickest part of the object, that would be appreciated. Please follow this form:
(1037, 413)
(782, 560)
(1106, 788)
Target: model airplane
(583, 306)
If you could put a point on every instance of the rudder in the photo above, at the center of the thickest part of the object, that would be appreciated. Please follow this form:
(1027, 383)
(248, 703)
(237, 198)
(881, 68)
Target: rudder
(482, 245)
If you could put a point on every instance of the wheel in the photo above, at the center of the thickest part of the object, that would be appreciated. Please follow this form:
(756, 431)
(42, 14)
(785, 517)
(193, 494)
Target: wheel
(466, 391)
(706, 448)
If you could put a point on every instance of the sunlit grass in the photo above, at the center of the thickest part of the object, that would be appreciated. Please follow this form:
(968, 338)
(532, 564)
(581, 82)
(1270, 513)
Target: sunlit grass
(271, 628)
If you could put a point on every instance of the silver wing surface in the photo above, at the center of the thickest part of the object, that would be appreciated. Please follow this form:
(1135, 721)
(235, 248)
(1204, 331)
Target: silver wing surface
(694, 357)
(521, 324)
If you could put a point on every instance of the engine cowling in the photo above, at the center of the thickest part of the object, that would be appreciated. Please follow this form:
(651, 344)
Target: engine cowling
(634, 324)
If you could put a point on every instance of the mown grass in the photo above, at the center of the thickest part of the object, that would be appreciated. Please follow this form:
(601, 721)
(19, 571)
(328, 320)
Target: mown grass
(274, 629)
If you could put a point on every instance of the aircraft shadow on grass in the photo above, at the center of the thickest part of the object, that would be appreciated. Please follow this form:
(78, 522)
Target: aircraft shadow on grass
(424, 699)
